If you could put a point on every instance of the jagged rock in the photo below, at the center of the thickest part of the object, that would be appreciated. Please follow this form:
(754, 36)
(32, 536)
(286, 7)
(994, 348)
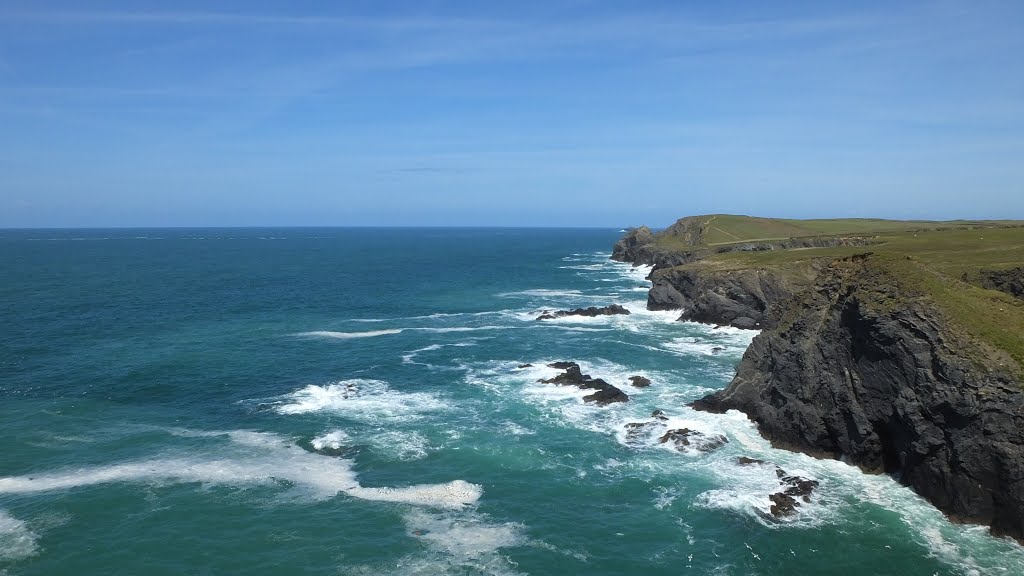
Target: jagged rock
(639, 381)
(589, 312)
(1009, 281)
(659, 414)
(664, 296)
(782, 505)
(605, 396)
(801, 487)
(571, 376)
(745, 461)
(604, 393)
(634, 245)
(683, 437)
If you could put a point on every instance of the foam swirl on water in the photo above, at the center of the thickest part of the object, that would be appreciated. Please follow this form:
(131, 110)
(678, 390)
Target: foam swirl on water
(253, 458)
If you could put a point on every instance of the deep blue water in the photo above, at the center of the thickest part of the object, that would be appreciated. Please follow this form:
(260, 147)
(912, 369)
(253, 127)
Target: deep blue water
(349, 401)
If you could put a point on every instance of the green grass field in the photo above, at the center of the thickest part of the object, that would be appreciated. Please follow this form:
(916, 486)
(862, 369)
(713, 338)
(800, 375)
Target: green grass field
(718, 229)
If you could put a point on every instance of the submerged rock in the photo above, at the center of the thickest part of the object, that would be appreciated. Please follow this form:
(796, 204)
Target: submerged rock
(684, 437)
(745, 461)
(592, 311)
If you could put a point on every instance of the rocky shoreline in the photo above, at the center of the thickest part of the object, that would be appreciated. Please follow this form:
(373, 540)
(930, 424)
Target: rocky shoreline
(850, 366)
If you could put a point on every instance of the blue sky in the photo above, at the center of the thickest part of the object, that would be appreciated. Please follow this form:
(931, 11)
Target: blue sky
(559, 113)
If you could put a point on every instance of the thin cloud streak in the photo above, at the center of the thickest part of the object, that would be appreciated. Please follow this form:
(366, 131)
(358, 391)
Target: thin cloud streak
(234, 18)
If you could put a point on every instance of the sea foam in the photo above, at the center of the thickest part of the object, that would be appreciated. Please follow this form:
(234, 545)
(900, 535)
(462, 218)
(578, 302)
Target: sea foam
(370, 401)
(250, 458)
(349, 335)
(16, 540)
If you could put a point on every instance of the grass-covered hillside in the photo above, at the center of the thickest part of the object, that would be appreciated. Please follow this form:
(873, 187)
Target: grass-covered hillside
(949, 263)
(718, 229)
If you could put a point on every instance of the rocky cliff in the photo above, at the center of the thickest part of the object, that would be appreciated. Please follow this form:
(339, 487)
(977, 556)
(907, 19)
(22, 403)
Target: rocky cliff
(853, 364)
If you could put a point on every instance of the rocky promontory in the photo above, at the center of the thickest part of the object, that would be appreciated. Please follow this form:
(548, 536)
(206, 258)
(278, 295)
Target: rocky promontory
(888, 356)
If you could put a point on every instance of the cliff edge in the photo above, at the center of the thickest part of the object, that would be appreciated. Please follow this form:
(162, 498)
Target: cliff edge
(888, 355)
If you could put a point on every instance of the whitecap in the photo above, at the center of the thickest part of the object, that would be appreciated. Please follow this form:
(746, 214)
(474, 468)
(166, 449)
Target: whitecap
(363, 400)
(542, 293)
(251, 458)
(332, 440)
(350, 335)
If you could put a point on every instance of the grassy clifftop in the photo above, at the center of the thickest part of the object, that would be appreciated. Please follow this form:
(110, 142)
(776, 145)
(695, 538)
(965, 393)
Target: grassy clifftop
(945, 263)
(719, 229)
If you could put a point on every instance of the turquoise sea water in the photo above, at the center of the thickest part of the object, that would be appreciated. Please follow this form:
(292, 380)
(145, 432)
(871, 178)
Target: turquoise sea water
(333, 401)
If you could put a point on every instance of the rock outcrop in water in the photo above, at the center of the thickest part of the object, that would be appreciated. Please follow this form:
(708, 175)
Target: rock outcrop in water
(851, 365)
(604, 393)
(591, 312)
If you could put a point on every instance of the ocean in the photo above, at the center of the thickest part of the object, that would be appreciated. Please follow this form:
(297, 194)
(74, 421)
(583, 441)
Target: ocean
(352, 401)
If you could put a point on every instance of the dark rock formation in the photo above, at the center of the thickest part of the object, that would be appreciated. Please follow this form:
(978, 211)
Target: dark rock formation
(1009, 281)
(747, 461)
(784, 503)
(659, 414)
(635, 431)
(591, 312)
(684, 437)
(521, 366)
(639, 381)
(634, 246)
(856, 367)
(604, 393)
(740, 298)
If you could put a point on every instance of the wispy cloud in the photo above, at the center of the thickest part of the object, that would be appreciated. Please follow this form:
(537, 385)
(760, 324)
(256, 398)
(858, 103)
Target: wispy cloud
(232, 18)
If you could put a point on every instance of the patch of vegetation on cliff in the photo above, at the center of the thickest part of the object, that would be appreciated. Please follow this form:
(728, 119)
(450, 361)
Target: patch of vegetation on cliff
(929, 264)
(719, 229)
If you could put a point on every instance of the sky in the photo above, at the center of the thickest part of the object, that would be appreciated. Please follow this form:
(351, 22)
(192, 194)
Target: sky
(555, 113)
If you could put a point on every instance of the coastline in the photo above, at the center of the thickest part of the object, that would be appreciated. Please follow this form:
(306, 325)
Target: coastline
(851, 366)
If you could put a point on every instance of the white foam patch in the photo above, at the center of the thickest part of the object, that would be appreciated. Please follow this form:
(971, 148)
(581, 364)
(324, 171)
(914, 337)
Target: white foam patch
(250, 458)
(400, 445)
(462, 535)
(397, 445)
(350, 335)
(454, 494)
(363, 400)
(17, 542)
(542, 293)
(332, 440)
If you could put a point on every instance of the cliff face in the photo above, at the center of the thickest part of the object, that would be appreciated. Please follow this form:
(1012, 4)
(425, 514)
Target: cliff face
(890, 389)
(1009, 281)
(850, 365)
(741, 298)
